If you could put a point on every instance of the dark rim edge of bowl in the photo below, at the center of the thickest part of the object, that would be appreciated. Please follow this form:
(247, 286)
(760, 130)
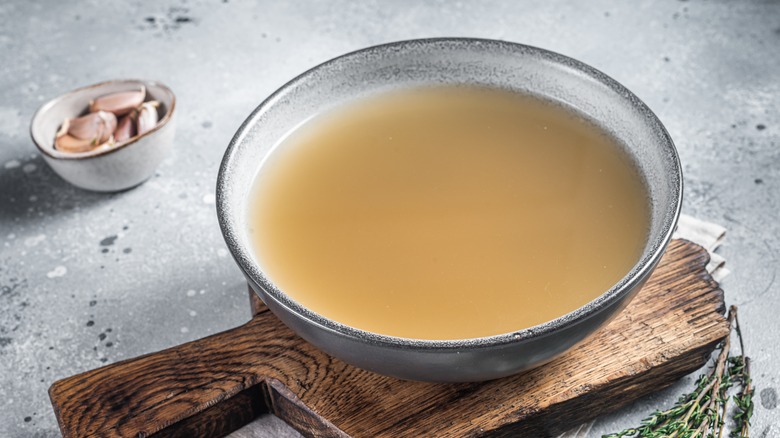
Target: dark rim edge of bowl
(162, 122)
(639, 272)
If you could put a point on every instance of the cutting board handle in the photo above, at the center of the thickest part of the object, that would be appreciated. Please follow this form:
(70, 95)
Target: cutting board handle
(206, 388)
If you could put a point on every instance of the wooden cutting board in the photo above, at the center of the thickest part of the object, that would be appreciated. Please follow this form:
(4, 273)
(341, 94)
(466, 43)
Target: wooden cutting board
(212, 386)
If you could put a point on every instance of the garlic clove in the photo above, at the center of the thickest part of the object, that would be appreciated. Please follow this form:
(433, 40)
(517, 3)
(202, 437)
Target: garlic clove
(63, 128)
(119, 103)
(96, 127)
(125, 128)
(84, 128)
(147, 116)
(68, 143)
(109, 126)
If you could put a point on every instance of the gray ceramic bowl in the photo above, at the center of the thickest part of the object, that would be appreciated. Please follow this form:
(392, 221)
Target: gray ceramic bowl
(452, 61)
(118, 168)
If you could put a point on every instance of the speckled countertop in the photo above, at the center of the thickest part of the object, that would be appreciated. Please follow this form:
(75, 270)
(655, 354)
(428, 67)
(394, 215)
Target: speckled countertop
(88, 279)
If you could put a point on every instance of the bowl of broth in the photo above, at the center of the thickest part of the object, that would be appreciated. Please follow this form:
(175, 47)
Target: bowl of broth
(449, 210)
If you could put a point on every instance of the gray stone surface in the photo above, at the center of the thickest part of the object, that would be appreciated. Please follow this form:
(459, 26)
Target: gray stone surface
(88, 279)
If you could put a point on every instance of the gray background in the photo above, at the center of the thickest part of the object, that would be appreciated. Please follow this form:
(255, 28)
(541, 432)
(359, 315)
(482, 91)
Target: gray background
(88, 279)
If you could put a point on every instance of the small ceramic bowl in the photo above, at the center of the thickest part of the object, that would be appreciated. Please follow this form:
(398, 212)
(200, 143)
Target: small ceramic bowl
(408, 64)
(107, 170)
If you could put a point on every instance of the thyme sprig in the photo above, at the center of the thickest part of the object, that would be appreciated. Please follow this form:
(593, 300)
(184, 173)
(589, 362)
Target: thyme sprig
(703, 413)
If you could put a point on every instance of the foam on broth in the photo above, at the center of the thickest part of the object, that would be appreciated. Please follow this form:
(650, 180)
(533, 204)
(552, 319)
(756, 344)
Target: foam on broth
(447, 213)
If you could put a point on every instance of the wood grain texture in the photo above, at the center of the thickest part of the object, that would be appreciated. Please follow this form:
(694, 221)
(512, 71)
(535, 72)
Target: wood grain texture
(667, 331)
(222, 418)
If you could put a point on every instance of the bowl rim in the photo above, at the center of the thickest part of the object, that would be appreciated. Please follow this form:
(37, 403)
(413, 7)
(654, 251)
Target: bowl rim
(633, 278)
(53, 153)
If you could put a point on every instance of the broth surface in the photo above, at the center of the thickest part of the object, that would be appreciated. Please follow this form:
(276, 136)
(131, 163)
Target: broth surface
(447, 213)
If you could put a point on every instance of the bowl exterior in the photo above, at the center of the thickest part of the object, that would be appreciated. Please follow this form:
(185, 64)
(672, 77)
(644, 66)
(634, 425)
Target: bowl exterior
(121, 170)
(453, 61)
(445, 363)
